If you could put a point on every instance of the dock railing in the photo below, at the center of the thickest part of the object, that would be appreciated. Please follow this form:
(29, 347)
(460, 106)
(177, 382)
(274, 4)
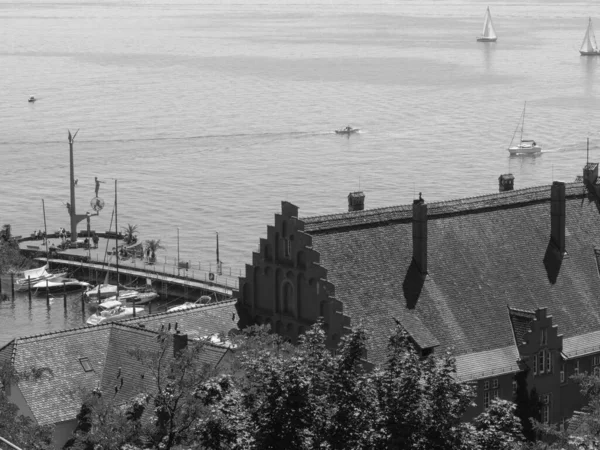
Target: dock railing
(194, 271)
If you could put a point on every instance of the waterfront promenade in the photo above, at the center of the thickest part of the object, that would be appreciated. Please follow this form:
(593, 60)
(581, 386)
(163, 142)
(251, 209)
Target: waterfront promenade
(191, 273)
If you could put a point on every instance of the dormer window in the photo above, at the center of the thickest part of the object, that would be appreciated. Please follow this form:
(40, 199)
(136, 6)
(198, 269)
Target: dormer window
(85, 363)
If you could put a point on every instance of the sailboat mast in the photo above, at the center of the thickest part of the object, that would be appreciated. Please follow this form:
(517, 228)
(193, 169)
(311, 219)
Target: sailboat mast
(45, 230)
(117, 238)
(523, 121)
(587, 161)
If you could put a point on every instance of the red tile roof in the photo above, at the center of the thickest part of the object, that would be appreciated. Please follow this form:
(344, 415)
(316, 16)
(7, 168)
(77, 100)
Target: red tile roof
(484, 253)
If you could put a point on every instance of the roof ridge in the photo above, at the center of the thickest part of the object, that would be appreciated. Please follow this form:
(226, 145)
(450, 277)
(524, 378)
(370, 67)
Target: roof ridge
(182, 312)
(451, 206)
(522, 311)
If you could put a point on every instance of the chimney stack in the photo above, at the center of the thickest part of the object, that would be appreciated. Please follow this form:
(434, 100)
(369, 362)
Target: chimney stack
(180, 342)
(506, 182)
(558, 215)
(419, 221)
(356, 201)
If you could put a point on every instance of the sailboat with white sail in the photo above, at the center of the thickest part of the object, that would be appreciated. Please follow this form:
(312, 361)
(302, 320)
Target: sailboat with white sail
(525, 146)
(489, 33)
(589, 46)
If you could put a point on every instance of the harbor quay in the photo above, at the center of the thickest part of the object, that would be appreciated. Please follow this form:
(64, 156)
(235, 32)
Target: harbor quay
(173, 280)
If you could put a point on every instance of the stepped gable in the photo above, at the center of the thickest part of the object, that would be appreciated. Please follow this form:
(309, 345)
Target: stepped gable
(483, 253)
(202, 320)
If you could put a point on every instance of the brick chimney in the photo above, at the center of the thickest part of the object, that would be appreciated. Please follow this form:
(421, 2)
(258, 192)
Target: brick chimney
(419, 222)
(506, 182)
(356, 201)
(180, 342)
(558, 215)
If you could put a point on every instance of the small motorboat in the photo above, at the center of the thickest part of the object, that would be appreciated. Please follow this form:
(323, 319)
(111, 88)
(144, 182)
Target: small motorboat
(347, 130)
(111, 311)
(32, 99)
(35, 275)
(59, 284)
(101, 291)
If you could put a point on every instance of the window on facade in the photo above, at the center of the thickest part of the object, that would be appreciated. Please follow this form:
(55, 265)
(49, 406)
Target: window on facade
(596, 371)
(544, 336)
(541, 361)
(486, 399)
(85, 363)
(546, 404)
(486, 385)
(514, 387)
(287, 248)
(562, 373)
(535, 364)
(576, 370)
(548, 361)
(495, 383)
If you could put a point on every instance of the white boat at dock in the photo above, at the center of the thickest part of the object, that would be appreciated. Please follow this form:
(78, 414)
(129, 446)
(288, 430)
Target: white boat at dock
(33, 276)
(59, 284)
(111, 311)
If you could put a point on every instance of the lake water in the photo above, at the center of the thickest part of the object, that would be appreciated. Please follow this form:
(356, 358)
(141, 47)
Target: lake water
(210, 114)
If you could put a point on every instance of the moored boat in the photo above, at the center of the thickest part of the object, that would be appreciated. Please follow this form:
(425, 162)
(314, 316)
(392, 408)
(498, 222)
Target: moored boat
(59, 284)
(111, 311)
(35, 275)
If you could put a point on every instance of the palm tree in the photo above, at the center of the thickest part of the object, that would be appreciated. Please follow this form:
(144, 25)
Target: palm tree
(152, 246)
(130, 236)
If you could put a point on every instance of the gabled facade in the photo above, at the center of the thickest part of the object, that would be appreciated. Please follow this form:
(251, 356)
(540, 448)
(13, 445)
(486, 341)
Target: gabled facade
(509, 282)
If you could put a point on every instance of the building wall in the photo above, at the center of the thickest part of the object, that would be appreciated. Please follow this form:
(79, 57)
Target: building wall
(486, 390)
(16, 397)
(286, 287)
(63, 431)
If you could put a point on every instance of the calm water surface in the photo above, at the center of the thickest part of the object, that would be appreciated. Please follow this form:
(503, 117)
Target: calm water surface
(210, 114)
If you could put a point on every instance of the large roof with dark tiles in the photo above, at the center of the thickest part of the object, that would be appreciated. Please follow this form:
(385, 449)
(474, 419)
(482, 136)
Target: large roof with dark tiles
(484, 254)
(57, 397)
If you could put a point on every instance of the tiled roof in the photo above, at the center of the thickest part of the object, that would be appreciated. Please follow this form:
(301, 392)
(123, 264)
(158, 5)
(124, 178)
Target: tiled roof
(583, 344)
(489, 363)
(483, 253)
(200, 321)
(521, 323)
(58, 396)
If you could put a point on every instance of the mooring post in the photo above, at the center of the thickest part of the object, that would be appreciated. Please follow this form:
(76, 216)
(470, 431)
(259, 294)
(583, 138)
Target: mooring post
(12, 285)
(29, 286)
(47, 295)
(134, 309)
(150, 307)
(82, 308)
(65, 295)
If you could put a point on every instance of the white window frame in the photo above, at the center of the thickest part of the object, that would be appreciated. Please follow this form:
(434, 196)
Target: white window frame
(495, 383)
(576, 369)
(486, 385)
(562, 373)
(487, 399)
(548, 361)
(542, 362)
(546, 406)
(535, 365)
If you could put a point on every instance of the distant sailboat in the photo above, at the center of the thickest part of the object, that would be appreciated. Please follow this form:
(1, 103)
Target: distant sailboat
(525, 146)
(589, 46)
(488, 34)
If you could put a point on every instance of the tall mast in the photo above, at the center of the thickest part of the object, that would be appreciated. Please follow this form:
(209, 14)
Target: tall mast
(72, 210)
(523, 121)
(117, 237)
(45, 230)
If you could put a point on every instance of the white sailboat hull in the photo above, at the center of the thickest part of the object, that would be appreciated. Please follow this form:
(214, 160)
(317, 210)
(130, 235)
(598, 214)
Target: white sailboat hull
(524, 149)
(486, 39)
(592, 53)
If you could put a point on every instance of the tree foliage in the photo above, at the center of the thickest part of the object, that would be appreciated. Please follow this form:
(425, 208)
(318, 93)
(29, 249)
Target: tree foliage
(302, 397)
